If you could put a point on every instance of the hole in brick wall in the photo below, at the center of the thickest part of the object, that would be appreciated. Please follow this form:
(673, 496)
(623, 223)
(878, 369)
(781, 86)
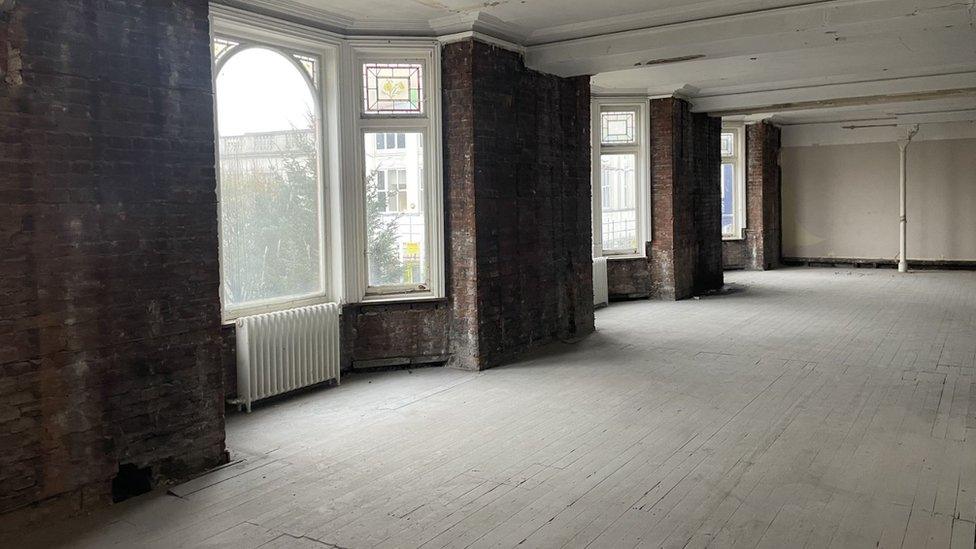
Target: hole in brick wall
(130, 482)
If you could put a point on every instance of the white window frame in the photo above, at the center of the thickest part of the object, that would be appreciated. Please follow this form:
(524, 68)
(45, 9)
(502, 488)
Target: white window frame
(738, 160)
(258, 31)
(640, 106)
(428, 124)
(342, 151)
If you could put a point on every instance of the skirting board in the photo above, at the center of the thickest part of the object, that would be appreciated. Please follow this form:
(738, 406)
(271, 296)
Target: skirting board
(863, 263)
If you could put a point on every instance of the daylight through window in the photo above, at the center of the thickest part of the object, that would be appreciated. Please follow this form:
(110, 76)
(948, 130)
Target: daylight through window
(395, 160)
(270, 193)
(617, 207)
(732, 183)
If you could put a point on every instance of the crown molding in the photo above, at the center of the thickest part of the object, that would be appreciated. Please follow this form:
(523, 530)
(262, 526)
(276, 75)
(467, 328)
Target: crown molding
(482, 23)
(474, 35)
(293, 11)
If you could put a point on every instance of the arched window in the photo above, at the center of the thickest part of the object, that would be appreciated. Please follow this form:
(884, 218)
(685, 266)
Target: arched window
(271, 199)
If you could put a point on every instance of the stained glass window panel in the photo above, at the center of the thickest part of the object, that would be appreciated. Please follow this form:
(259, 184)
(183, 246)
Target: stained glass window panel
(393, 88)
(728, 144)
(309, 64)
(617, 127)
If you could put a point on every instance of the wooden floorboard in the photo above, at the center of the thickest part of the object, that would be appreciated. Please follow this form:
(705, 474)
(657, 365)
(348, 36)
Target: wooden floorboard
(806, 408)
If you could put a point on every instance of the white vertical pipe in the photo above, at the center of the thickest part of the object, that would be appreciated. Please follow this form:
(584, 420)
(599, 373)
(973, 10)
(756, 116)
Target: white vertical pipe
(903, 211)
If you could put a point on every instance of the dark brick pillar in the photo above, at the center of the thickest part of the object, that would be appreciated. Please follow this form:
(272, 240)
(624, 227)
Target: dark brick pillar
(762, 196)
(517, 167)
(109, 309)
(686, 241)
(457, 66)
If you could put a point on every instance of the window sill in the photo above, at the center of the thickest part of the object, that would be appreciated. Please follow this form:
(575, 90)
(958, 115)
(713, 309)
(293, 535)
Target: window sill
(733, 238)
(424, 297)
(624, 256)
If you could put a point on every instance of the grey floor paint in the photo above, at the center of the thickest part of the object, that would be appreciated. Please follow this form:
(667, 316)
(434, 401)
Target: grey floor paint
(804, 408)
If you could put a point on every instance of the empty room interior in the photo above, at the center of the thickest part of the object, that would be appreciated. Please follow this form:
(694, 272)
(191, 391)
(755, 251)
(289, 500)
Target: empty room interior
(520, 273)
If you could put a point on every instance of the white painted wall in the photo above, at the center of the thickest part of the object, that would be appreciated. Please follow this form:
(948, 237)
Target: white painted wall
(840, 192)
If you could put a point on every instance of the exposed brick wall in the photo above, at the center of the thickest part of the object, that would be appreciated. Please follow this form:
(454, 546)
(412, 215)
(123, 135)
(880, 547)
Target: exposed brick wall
(628, 278)
(703, 162)
(762, 196)
(395, 334)
(760, 249)
(734, 254)
(685, 254)
(109, 311)
(518, 184)
(457, 68)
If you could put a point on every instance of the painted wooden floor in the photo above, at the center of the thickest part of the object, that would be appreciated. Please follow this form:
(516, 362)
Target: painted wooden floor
(804, 408)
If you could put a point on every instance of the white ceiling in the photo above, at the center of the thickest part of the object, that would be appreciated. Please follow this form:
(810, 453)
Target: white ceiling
(527, 22)
(795, 61)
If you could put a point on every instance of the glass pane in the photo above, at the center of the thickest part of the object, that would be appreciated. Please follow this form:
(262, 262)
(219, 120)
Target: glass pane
(309, 64)
(269, 181)
(396, 244)
(392, 88)
(618, 127)
(728, 144)
(619, 209)
(728, 199)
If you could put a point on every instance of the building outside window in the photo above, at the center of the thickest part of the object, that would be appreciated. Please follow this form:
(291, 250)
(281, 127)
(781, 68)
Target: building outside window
(391, 141)
(620, 196)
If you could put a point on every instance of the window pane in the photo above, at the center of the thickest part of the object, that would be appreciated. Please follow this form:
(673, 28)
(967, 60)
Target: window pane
(728, 144)
(392, 88)
(269, 181)
(618, 127)
(396, 245)
(619, 208)
(728, 199)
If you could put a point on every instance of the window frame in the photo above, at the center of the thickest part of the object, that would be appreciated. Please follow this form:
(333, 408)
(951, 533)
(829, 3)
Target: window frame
(341, 145)
(641, 150)
(326, 49)
(428, 124)
(738, 161)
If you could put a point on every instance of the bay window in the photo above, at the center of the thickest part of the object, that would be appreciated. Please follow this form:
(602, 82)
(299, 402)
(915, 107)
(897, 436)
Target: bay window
(620, 194)
(328, 164)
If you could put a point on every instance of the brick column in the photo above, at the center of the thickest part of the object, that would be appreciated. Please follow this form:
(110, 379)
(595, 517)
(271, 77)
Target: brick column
(517, 168)
(109, 284)
(762, 196)
(685, 255)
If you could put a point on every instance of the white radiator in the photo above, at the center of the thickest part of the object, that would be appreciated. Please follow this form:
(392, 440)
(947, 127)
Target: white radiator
(287, 350)
(601, 292)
